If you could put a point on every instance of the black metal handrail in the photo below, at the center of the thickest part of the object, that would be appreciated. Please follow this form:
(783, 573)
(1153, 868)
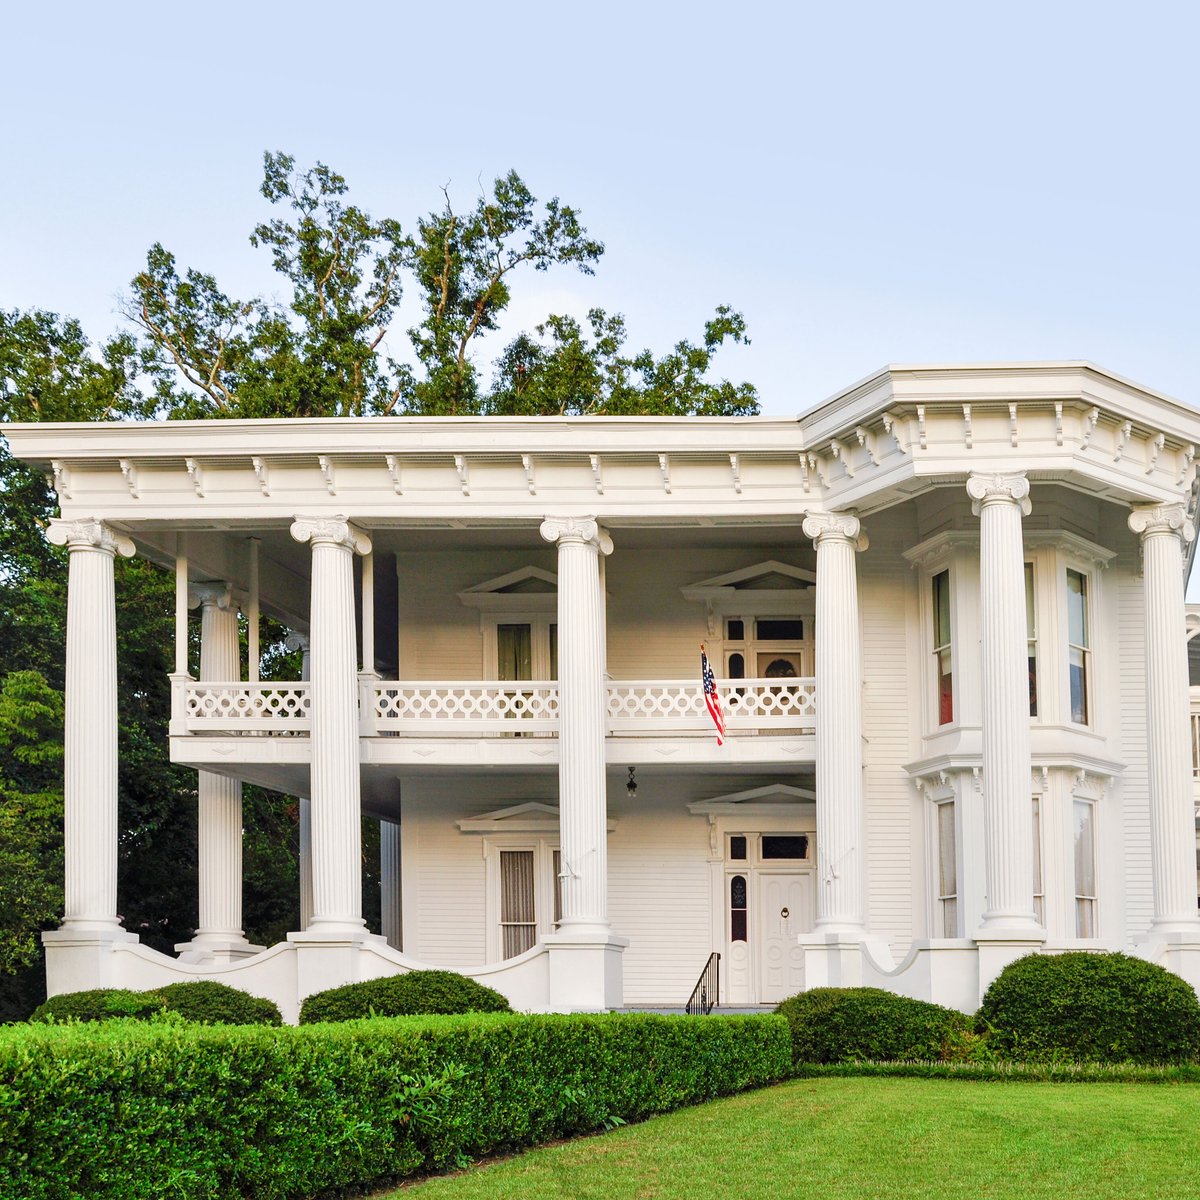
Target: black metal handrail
(707, 990)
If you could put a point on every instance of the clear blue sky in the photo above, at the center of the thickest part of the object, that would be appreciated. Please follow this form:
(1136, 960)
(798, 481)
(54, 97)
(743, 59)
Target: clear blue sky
(866, 182)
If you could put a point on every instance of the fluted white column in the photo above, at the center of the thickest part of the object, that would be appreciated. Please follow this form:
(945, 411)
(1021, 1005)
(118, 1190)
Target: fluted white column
(299, 641)
(841, 824)
(1000, 502)
(583, 813)
(335, 786)
(90, 734)
(1164, 530)
(389, 882)
(219, 827)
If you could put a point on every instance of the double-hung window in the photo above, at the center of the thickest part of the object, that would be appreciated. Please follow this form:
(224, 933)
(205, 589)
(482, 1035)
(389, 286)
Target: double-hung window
(947, 868)
(1079, 646)
(528, 897)
(943, 663)
(1085, 869)
(1031, 637)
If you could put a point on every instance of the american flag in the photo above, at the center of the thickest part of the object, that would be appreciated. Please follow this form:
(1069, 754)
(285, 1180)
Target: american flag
(711, 698)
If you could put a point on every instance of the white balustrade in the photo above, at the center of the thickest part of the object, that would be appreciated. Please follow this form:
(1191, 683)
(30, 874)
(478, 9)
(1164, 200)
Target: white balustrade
(460, 709)
(243, 707)
(677, 706)
(455, 708)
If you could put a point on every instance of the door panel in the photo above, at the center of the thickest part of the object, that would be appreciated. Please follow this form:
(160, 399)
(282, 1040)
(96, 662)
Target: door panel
(786, 910)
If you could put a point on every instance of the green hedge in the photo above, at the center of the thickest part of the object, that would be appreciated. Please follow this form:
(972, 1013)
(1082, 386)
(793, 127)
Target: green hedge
(411, 994)
(203, 1000)
(138, 1109)
(835, 1025)
(1088, 1007)
(99, 1004)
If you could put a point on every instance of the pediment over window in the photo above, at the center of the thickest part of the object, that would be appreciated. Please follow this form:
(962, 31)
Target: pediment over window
(780, 798)
(530, 817)
(764, 589)
(528, 589)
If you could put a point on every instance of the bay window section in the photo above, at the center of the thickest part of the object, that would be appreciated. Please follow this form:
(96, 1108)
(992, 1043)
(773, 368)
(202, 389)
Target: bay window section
(1078, 645)
(942, 648)
(1085, 869)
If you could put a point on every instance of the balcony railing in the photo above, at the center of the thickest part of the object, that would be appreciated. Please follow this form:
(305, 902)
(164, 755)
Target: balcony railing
(457, 708)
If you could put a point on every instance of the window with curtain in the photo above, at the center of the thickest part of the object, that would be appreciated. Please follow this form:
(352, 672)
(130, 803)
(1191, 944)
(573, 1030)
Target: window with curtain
(942, 649)
(1085, 869)
(518, 924)
(1039, 888)
(1079, 645)
(947, 869)
(1031, 638)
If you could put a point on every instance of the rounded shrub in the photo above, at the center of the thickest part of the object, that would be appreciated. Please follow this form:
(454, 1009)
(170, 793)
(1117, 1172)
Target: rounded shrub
(1091, 1007)
(213, 1003)
(402, 995)
(99, 1004)
(834, 1025)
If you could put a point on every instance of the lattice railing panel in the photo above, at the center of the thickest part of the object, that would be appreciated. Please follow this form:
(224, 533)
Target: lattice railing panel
(748, 704)
(238, 707)
(458, 709)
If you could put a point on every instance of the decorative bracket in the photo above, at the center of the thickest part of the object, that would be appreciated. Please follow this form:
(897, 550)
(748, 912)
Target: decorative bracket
(1154, 449)
(867, 442)
(62, 479)
(891, 426)
(839, 452)
(1123, 435)
(527, 464)
(196, 475)
(460, 466)
(968, 437)
(737, 474)
(326, 465)
(1090, 421)
(664, 467)
(1012, 425)
(393, 470)
(597, 479)
(921, 432)
(129, 471)
(260, 473)
(1189, 457)
(1058, 423)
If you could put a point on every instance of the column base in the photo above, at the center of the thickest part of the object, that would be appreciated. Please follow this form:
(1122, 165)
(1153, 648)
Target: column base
(586, 971)
(997, 950)
(328, 958)
(832, 958)
(79, 959)
(216, 948)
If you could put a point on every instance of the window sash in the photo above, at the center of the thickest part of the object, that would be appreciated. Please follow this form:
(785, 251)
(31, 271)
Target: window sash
(1039, 890)
(518, 924)
(1085, 868)
(943, 656)
(947, 868)
(1078, 645)
(1031, 636)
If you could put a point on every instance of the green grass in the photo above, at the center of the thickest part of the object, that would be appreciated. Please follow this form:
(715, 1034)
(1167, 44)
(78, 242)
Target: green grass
(838, 1139)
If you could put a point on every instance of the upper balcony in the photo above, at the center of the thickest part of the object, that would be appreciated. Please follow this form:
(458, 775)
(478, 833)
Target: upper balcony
(502, 721)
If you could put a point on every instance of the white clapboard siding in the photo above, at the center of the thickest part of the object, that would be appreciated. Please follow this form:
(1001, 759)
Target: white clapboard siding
(890, 703)
(660, 890)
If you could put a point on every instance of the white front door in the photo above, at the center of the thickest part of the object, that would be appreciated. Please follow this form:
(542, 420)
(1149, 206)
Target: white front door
(786, 909)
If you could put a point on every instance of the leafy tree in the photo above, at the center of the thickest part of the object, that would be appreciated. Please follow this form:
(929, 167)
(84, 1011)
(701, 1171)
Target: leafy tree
(325, 353)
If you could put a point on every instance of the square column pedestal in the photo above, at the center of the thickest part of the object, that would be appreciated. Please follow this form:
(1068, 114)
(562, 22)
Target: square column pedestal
(585, 972)
(329, 960)
(80, 959)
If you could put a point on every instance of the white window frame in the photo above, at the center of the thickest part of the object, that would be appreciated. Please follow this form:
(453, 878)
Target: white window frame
(1039, 863)
(942, 898)
(750, 646)
(1091, 899)
(1032, 639)
(544, 849)
(936, 649)
(539, 641)
(1089, 665)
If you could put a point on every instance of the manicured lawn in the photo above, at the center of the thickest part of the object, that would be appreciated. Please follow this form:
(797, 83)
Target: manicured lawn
(829, 1139)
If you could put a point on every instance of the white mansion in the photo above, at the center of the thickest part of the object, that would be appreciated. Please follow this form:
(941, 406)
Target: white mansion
(962, 741)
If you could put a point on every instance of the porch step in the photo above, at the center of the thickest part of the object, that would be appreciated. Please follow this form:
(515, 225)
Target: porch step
(727, 1010)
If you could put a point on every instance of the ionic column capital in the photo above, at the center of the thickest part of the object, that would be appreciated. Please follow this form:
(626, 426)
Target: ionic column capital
(999, 489)
(584, 531)
(296, 641)
(826, 527)
(331, 531)
(87, 533)
(215, 593)
(1162, 519)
